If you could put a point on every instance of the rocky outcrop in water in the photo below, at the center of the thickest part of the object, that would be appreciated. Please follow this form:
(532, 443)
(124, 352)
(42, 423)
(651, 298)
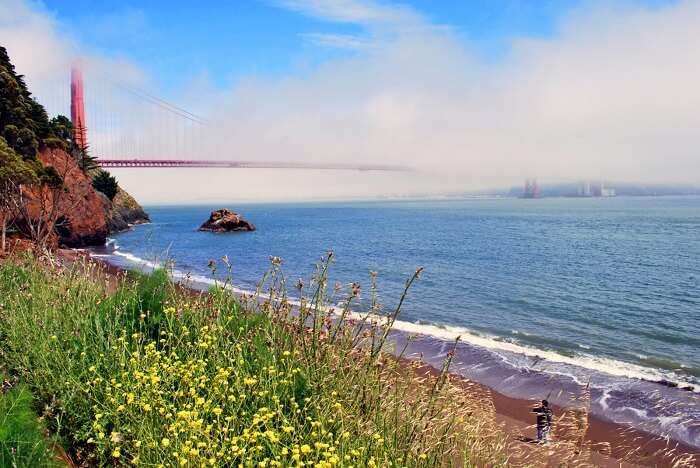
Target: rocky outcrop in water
(124, 212)
(224, 220)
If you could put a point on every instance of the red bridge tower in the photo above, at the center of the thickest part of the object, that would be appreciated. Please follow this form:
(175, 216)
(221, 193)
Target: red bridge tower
(77, 106)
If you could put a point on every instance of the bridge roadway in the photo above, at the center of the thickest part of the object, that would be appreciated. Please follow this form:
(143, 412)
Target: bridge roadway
(184, 163)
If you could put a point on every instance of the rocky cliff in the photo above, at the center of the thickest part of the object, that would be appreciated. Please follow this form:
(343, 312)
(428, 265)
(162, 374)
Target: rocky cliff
(86, 215)
(83, 220)
(124, 212)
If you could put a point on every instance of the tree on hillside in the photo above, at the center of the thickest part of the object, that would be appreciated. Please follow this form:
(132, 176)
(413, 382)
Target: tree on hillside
(22, 140)
(86, 162)
(62, 128)
(61, 136)
(14, 173)
(106, 183)
(23, 122)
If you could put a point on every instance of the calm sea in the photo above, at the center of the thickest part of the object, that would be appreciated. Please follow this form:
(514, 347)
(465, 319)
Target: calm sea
(546, 294)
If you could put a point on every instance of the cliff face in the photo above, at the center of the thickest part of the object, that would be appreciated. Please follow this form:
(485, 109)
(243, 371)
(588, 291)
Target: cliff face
(124, 211)
(84, 210)
(87, 216)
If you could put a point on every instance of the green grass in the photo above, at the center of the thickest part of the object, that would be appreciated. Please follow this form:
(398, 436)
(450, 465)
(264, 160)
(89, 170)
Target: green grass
(22, 442)
(150, 375)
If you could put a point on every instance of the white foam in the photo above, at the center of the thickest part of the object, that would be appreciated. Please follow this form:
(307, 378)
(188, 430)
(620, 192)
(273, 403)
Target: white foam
(450, 333)
(665, 426)
(179, 275)
(639, 413)
(669, 421)
(137, 260)
(587, 361)
(603, 402)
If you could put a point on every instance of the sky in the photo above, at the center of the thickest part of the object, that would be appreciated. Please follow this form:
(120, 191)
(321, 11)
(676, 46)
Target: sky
(228, 40)
(472, 95)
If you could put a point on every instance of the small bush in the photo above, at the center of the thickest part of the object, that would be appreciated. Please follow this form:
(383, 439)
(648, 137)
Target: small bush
(106, 183)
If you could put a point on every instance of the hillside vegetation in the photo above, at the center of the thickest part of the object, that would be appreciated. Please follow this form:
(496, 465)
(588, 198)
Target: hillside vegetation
(142, 372)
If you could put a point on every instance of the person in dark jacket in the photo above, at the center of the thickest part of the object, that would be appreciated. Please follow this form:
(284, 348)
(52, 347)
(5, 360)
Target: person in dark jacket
(544, 421)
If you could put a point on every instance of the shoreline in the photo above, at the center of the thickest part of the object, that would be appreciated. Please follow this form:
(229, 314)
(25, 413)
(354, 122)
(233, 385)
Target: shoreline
(650, 405)
(610, 443)
(524, 354)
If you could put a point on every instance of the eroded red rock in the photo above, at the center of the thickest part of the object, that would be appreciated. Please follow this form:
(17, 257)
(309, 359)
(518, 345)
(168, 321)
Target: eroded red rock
(83, 219)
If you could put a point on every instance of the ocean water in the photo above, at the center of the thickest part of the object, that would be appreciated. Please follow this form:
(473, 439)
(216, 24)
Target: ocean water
(547, 295)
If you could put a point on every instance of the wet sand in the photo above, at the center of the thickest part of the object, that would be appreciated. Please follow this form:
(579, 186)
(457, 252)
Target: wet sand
(601, 442)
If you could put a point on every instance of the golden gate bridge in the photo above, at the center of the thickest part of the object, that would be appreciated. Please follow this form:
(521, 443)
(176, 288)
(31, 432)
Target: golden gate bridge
(139, 135)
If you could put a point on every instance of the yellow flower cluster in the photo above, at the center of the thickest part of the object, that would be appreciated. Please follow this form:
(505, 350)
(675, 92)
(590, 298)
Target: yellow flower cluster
(172, 401)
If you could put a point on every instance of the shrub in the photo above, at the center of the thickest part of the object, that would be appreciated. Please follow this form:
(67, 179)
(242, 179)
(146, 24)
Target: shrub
(106, 183)
(56, 143)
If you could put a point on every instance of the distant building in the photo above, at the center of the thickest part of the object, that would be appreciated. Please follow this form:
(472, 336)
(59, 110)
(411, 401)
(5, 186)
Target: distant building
(584, 190)
(532, 189)
(588, 189)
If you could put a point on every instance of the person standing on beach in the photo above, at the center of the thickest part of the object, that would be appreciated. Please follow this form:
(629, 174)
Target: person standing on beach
(544, 421)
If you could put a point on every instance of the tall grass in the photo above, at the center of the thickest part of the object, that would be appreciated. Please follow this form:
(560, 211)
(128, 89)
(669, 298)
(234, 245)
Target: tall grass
(146, 373)
(22, 442)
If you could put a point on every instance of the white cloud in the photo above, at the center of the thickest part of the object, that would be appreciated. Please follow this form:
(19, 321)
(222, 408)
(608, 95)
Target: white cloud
(43, 51)
(33, 41)
(354, 11)
(340, 41)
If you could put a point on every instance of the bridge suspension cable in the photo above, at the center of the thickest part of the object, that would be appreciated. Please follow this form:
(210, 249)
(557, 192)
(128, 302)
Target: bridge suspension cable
(130, 127)
(162, 103)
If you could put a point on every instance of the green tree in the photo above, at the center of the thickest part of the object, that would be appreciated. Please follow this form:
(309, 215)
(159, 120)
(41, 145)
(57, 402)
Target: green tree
(23, 122)
(106, 183)
(88, 164)
(14, 172)
(61, 134)
(62, 128)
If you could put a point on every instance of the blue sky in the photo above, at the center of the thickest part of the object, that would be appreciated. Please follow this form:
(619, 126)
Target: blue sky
(225, 40)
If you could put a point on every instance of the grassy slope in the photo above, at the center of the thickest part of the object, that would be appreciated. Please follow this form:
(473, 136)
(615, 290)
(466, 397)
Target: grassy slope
(149, 374)
(22, 442)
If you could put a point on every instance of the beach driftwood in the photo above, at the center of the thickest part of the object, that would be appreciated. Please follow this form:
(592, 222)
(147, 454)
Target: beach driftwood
(224, 220)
